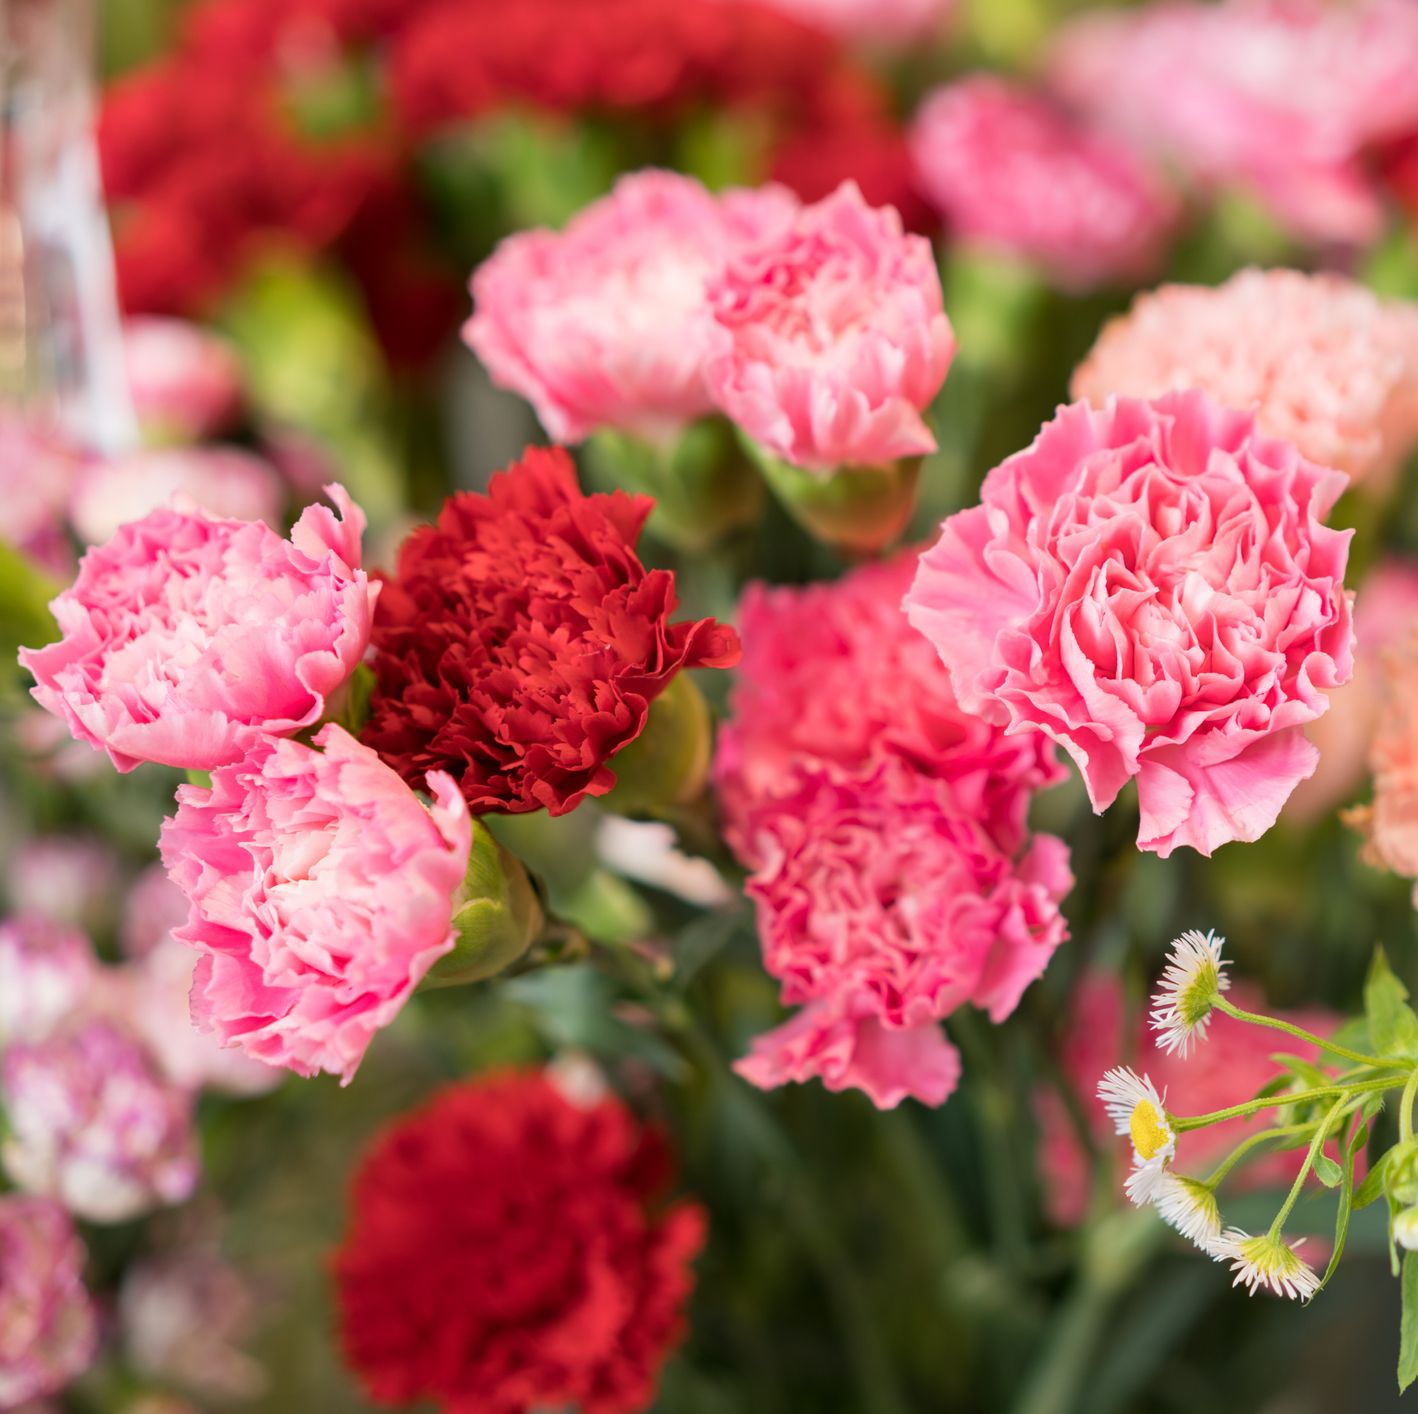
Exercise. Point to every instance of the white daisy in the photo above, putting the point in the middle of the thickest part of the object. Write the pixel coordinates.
(1189, 1205)
(1267, 1262)
(1194, 977)
(1136, 1110)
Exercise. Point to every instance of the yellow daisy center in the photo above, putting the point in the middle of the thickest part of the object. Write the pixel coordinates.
(1150, 1135)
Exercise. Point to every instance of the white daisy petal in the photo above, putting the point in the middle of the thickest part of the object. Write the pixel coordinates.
(1137, 1110)
(1188, 1205)
(1195, 975)
(1267, 1262)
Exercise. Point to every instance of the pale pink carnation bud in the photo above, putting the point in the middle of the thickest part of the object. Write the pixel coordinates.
(321, 891)
(224, 481)
(1011, 172)
(185, 381)
(1150, 584)
(47, 970)
(186, 637)
(605, 324)
(831, 337)
(1324, 362)
(48, 1325)
(94, 1125)
(1283, 98)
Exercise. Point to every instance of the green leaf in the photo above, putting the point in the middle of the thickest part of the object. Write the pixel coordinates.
(1393, 1025)
(1373, 1184)
(1408, 1329)
(26, 622)
(1327, 1171)
(1306, 1072)
(1351, 1150)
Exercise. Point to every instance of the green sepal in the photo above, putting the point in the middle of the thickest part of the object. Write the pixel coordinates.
(667, 765)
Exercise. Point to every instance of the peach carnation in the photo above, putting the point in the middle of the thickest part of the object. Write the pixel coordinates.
(1325, 363)
(1011, 172)
(1150, 585)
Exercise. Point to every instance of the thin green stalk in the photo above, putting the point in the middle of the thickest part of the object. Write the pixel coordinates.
(1182, 1123)
(1311, 1154)
(1405, 1108)
(1252, 1141)
(1290, 1029)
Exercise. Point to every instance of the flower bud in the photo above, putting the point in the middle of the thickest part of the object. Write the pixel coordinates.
(858, 509)
(667, 765)
(1405, 1229)
(1401, 1176)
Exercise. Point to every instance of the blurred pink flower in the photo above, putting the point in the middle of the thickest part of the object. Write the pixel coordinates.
(834, 674)
(883, 22)
(1011, 172)
(48, 1325)
(1385, 621)
(321, 892)
(38, 469)
(94, 1125)
(69, 879)
(831, 337)
(186, 637)
(1283, 97)
(605, 324)
(881, 910)
(186, 381)
(1324, 362)
(1233, 1062)
(223, 481)
(48, 971)
(1151, 586)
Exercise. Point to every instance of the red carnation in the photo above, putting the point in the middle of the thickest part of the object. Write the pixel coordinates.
(509, 1251)
(521, 642)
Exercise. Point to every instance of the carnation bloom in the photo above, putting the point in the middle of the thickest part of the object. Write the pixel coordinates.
(1324, 362)
(872, 21)
(1011, 172)
(831, 337)
(48, 1325)
(185, 381)
(1150, 585)
(1283, 97)
(226, 482)
(93, 1124)
(48, 971)
(37, 469)
(509, 1251)
(321, 890)
(186, 637)
(605, 324)
(68, 879)
(521, 642)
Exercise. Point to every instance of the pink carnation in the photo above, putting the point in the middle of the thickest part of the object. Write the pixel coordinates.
(1284, 97)
(604, 324)
(1233, 1063)
(831, 337)
(93, 1124)
(37, 469)
(1150, 585)
(185, 381)
(186, 637)
(67, 878)
(224, 481)
(833, 673)
(48, 1325)
(48, 970)
(1324, 362)
(321, 891)
(1011, 172)
(881, 910)
(894, 22)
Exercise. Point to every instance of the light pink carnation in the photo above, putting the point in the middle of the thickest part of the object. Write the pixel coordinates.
(1011, 172)
(831, 337)
(1233, 1062)
(1324, 362)
(834, 674)
(186, 637)
(870, 21)
(604, 324)
(93, 1124)
(1150, 585)
(185, 381)
(223, 481)
(48, 1325)
(1283, 97)
(881, 910)
(321, 893)
(47, 970)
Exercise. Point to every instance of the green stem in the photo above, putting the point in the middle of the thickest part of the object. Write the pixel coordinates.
(1311, 1154)
(1275, 1024)
(1405, 1108)
(1262, 1136)
(1182, 1123)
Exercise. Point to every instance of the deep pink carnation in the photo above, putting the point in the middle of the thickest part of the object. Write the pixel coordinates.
(1324, 362)
(605, 324)
(1009, 171)
(832, 337)
(1150, 585)
(185, 381)
(321, 893)
(1283, 97)
(186, 637)
(48, 1325)
(93, 1123)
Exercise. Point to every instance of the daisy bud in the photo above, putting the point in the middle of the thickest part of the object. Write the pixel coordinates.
(1193, 979)
(1405, 1229)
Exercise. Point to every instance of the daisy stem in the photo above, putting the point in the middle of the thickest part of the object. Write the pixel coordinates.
(1311, 1154)
(1182, 1123)
(1275, 1024)
(1252, 1141)
(1405, 1107)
